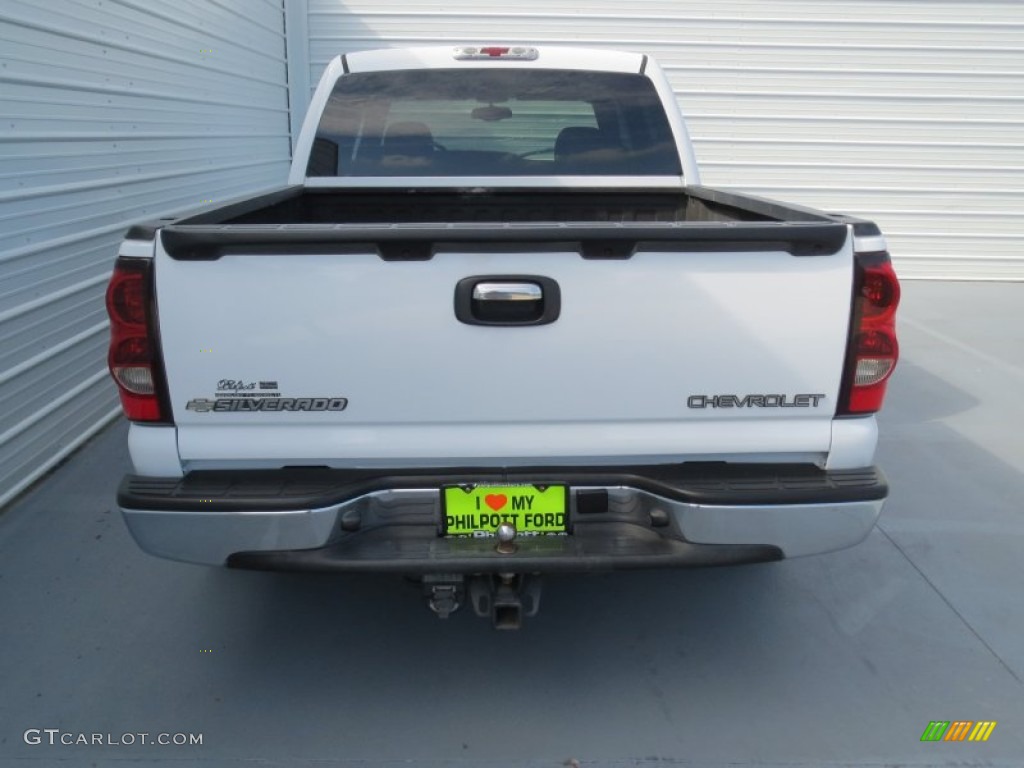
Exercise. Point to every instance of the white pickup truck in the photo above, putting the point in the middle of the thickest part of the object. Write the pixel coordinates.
(494, 327)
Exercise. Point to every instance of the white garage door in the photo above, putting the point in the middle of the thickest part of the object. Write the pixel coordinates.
(909, 113)
(113, 112)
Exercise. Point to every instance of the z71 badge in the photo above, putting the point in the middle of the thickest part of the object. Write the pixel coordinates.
(291, 404)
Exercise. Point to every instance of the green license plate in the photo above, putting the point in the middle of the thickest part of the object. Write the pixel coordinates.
(478, 510)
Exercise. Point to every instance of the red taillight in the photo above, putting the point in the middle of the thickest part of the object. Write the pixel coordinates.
(872, 349)
(132, 359)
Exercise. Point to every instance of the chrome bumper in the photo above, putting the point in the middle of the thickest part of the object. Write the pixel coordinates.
(667, 525)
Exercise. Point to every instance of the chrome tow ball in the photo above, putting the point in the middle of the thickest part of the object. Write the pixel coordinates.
(506, 535)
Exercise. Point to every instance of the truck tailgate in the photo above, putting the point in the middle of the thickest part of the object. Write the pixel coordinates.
(336, 356)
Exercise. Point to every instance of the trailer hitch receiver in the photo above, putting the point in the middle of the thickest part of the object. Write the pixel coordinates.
(507, 598)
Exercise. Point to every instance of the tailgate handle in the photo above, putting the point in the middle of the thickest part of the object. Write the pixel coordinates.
(507, 300)
(507, 292)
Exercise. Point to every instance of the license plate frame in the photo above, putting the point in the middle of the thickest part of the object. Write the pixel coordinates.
(535, 509)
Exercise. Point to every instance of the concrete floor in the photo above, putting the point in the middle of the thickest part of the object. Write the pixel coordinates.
(840, 659)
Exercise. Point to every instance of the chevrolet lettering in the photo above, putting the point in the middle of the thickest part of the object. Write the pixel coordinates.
(754, 401)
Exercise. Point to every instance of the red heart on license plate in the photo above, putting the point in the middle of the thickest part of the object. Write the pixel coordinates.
(496, 500)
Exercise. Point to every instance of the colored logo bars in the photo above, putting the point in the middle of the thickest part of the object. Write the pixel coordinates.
(958, 730)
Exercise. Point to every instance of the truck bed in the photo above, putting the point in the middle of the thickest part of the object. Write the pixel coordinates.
(411, 224)
(299, 205)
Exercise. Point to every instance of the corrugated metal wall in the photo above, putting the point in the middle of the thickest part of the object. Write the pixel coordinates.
(113, 111)
(907, 112)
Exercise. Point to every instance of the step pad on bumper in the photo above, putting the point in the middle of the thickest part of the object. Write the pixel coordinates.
(418, 550)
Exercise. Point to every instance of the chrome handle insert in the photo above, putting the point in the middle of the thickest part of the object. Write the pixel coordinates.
(507, 292)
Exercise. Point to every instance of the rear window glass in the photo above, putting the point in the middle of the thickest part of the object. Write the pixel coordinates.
(510, 122)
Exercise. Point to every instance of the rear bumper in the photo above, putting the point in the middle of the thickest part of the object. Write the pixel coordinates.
(635, 517)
